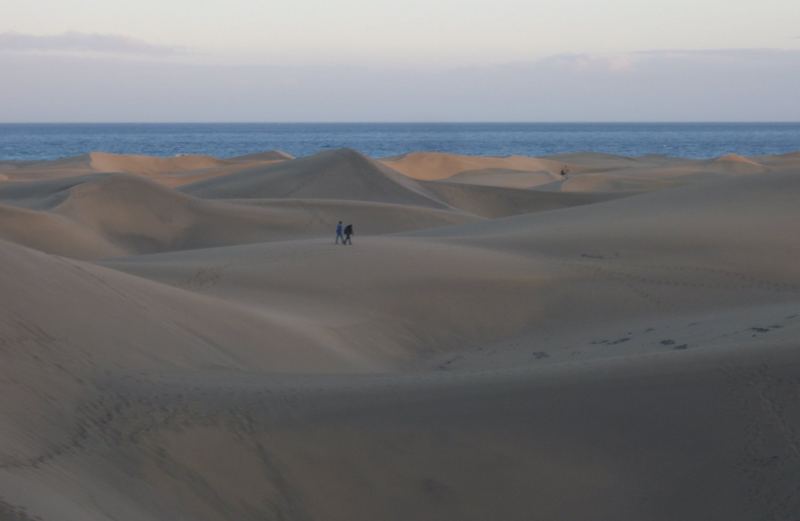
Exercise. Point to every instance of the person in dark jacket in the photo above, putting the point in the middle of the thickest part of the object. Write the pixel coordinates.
(348, 232)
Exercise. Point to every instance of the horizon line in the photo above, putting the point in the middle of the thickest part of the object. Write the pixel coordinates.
(477, 122)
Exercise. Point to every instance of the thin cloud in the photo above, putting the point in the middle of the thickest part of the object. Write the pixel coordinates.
(740, 52)
(627, 62)
(613, 62)
(719, 85)
(75, 42)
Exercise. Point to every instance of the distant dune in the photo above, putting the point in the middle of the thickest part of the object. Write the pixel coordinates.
(107, 215)
(172, 171)
(492, 201)
(338, 174)
(428, 166)
(575, 337)
(734, 163)
(271, 155)
(147, 165)
(502, 177)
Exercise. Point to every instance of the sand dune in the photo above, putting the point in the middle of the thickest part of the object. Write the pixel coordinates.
(65, 323)
(338, 174)
(52, 233)
(568, 443)
(42, 194)
(36, 170)
(504, 178)
(147, 165)
(735, 219)
(586, 172)
(347, 175)
(105, 215)
(736, 164)
(596, 161)
(493, 201)
(589, 356)
(429, 166)
(630, 252)
(172, 171)
(653, 174)
(629, 182)
(270, 155)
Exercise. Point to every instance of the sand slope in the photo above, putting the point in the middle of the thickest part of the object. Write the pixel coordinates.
(491, 200)
(147, 165)
(106, 215)
(54, 234)
(347, 175)
(269, 155)
(171, 171)
(629, 358)
(252, 448)
(731, 218)
(585, 172)
(338, 174)
(652, 174)
(502, 177)
(51, 345)
(570, 275)
(430, 166)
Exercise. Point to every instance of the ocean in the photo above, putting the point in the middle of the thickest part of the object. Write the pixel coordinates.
(690, 140)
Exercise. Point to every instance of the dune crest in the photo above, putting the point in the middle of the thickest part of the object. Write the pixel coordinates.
(171, 171)
(739, 164)
(105, 215)
(337, 174)
(429, 166)
(269, 155)
(149, 165)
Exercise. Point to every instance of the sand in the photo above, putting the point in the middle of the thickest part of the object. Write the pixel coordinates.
(171, 171)
(431, 166)
(618, 343)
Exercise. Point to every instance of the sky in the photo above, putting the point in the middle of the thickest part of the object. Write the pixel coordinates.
(415, 60)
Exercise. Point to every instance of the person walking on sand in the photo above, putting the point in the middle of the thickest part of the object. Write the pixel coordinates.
(339, 234)
(348, 232)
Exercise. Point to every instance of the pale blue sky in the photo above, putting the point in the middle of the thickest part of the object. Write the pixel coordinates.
(428, 47)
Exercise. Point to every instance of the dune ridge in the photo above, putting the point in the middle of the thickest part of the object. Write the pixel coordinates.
(337, 174)
(431, 166)
(147, 165)
(172, 171)
(107, 215)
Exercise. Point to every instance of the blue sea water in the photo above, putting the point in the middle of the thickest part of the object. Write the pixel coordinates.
(691, 140)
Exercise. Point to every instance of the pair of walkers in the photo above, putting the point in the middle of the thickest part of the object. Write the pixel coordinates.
(344, 233)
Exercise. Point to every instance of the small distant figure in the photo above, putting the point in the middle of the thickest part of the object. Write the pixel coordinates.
(348, 233)
(339, 232)
(564, 171)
